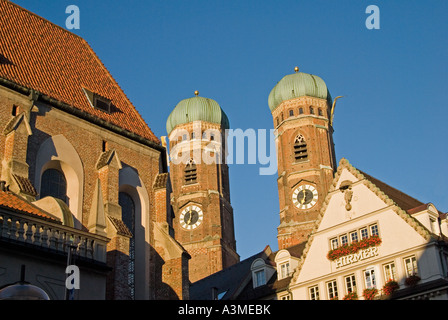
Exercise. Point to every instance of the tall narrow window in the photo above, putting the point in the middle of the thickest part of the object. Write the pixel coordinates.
(300, 110)
(291, 113)
(332, 289)
(300, 148)
(190, 172)
(314, 293)
(370, 278)
(374, 230)
(284, 269)
(390, 272)
(411, 266)
(311, 110)
(53, 184)
(128, 217)
(350, 283)
(260, 278)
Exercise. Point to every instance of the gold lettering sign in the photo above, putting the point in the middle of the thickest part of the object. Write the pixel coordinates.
(355, 257)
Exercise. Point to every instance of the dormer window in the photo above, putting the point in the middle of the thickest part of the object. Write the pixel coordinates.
(98, 102)
(101, 103)
(261, 272)
(260, 278)
(284, 270)
(286, 264)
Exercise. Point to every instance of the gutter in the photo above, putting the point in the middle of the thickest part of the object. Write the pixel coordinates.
(35, 95)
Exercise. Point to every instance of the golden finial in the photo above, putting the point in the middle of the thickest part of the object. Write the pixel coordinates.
(196, 93)
(296, 69)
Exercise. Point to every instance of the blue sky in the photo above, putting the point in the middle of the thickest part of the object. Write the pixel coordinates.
(391, 122)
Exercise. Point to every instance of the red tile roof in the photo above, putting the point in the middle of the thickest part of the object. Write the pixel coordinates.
(9, 200)
(42, 56)
(403, 200)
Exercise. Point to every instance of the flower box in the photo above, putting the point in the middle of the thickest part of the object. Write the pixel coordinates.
(370, 294)
(354, 247)
(390, 286)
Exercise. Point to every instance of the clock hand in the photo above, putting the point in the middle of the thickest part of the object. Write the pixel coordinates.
(304, 197)
(189, 219)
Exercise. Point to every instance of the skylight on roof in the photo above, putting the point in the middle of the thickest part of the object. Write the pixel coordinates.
(98, 102)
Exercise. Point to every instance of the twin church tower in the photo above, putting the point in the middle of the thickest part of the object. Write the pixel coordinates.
(301, 108)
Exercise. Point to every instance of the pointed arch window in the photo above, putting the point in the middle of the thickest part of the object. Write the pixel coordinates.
(190, 172)
(53, 184)
(311, 110)
(128, 217)
(300, 148)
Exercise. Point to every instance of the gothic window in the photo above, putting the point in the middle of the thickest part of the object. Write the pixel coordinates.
(320, 112)
(300, 148)
(53, 184)
(128, 217)
(190, 172)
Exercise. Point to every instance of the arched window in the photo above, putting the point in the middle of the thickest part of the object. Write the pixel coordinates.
(320, 112)
(300, 148)
(190, 172)
(53, 184)
(300, 110)
(311, 110)
(291, 113)
(128, 217)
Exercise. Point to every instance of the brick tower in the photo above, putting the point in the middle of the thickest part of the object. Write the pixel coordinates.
(301, 109)
(203, 215)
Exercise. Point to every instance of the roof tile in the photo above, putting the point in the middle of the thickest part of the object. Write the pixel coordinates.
(42, 56)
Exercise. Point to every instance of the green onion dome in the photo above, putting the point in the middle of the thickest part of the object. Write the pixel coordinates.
(194, 109)
(296, 85)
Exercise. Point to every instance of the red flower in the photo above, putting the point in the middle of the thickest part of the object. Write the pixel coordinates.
(347, 249)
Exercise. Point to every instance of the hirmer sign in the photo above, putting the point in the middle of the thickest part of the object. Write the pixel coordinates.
(355, 257)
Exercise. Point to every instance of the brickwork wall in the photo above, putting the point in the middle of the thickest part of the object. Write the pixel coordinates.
(88, 141)
(317, 170)
(211, 193)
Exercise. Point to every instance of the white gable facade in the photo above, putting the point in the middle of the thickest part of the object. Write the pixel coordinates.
(373, 241)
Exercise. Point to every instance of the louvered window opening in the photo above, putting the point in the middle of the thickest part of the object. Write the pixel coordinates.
(190, 173)
(300, 149)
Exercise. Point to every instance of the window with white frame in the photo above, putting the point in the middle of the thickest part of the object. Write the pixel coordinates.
(334, 243)
(350, 283)
(314, 293)
(410, 264)
(374, 230)
(434, 225)
(332, 289)
(344, 239)
(364, 233)
(260, 278)
(369, 277)
(284, 270)
(390, 272)
(354, 236)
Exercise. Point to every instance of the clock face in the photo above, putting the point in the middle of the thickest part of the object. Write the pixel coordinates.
(191, 217)
(304, 197)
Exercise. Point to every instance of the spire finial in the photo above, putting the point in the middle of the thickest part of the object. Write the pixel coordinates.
(196, 93)
(296, 69)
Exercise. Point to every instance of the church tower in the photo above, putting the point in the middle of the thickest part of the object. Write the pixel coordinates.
(301, 105)
(203, 215)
